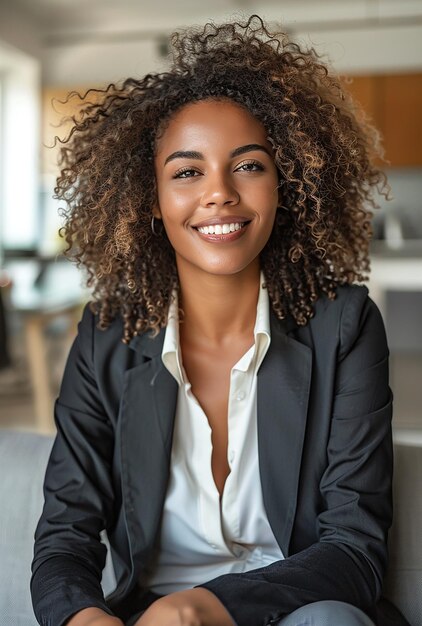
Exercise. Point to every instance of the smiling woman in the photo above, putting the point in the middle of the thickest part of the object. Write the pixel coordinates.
(322, 154)
(225, 413)
(225, 195)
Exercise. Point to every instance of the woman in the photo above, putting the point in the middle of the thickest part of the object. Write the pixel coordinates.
(225, 410)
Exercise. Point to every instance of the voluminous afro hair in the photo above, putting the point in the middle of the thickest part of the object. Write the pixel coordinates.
(324, 153)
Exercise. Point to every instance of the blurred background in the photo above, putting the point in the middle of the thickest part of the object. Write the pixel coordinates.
(50, 47)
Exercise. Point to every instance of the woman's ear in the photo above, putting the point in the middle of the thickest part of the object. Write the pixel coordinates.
(156, 212)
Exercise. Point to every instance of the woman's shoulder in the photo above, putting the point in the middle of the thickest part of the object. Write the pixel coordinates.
(338, 321)
(345, 296)
(350, 315)
(107, 345)
(101, 340)
(349, 301)
(90, 322)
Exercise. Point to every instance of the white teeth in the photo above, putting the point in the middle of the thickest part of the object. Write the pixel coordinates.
(221, 229)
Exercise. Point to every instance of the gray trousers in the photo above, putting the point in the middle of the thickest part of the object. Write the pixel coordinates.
(326, 613)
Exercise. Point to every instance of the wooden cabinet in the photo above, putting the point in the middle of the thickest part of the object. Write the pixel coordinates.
(364, 90)
(394, 103)
(401, 118)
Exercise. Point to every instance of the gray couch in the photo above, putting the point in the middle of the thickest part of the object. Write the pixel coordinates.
(23, 457)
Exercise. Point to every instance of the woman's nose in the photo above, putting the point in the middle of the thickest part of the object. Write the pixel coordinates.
(219, 190)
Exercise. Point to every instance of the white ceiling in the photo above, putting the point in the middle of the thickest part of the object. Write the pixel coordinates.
(148, 18)
(81, 15)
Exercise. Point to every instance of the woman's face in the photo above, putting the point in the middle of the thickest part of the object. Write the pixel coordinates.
(217, 188)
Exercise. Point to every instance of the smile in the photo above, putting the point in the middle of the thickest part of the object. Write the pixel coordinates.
(222, 233)
(221, 229)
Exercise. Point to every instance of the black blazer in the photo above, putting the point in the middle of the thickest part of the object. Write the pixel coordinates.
(325, 458)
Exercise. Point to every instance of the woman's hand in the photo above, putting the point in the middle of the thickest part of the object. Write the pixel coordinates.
(192, 607)
(93, 617)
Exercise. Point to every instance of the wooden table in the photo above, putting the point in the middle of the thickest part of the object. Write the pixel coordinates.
(39, 300)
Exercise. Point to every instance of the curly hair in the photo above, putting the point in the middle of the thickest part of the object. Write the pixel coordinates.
(324, 153)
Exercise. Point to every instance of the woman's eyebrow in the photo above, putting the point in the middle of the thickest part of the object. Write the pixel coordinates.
(192, 154)
(250, 147)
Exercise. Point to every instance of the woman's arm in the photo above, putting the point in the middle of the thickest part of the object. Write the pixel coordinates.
(68, 555)
(348, 561)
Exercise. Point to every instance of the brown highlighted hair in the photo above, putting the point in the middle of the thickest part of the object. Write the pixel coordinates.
(324, 153)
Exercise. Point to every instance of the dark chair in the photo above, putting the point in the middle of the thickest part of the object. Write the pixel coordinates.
(4, 350)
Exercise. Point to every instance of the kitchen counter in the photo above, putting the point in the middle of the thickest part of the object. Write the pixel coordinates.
(394, 272)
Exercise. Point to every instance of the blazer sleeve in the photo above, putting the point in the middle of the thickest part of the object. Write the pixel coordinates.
(347, 562)
(68, 554)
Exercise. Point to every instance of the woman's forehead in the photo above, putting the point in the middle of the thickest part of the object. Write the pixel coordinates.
(211, 121)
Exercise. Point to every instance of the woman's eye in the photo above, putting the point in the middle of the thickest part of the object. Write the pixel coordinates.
(250, 166)
(185, 173)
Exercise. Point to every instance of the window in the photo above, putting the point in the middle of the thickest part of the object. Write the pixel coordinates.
(19, 154)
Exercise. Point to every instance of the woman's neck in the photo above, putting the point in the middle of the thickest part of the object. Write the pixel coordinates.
(219, 308)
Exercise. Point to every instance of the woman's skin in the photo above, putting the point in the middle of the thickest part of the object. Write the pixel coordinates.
(93, 617)
(227, 171)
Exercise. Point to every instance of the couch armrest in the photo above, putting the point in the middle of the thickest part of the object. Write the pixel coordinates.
(23, 460)
(403, 584)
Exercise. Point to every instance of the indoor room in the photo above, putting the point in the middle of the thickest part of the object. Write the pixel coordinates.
(57, 57)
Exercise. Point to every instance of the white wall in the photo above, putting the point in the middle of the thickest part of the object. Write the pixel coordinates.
(91, 63)
(370, 50)
(17, 30)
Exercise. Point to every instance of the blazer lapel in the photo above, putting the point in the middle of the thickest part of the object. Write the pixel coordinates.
(283, 391)
(146, 427)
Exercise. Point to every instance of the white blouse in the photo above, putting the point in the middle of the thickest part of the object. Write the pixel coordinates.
(201, 538)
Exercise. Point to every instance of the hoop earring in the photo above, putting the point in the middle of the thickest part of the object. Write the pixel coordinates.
(154, 232)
